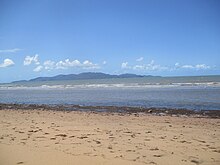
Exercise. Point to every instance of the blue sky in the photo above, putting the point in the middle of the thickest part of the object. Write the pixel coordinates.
(157, 37)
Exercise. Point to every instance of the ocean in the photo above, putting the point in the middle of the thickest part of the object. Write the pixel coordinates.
(196, 93)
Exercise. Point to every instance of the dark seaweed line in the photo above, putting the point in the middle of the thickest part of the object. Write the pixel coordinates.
(115, 109)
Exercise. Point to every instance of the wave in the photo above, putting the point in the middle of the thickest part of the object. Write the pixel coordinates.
(119, 85)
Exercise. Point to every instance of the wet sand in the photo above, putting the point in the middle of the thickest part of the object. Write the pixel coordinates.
(37, 135)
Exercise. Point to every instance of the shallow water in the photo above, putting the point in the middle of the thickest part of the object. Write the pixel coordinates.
(193, 97)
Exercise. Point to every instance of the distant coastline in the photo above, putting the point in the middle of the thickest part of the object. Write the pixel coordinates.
(84, 76)
(100, 75)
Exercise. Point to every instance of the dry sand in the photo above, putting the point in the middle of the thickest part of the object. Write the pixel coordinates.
(45, 137)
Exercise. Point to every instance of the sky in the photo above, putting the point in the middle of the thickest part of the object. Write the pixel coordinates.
(147, 37)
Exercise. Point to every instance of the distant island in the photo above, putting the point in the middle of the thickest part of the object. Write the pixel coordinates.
(84, 76)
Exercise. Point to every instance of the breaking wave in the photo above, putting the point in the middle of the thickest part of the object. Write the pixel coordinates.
(119, 85)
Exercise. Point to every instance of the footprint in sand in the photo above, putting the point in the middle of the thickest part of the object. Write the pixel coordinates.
(158, 155)
(195, 160)
(33, 131)
(154, 149)
(20, 163)
(13, 138)
(82, 137)
(40, 137)
(110, 147)
(61, 135)
(24, 139)
(184, 141)
(136, 158)
(133, 135)
(97, 142)
(218, 151)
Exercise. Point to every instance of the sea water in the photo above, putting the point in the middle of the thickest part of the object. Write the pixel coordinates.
(197, 93)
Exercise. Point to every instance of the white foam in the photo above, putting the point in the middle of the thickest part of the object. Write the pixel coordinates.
(119, 85)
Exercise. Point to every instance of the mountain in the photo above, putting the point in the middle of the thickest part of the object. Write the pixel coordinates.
(82, 76)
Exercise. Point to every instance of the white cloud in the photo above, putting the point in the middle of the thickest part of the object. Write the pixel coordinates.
(10, 50)
(187, 67)
(38, 68)
(196, 67)
(152, 66)
(104, 62)
(140, 59)
(87, 62)
(139, 67)
(7, 62)
(67, 63)
(202, 66)
(177, 65)
(31, 59)
(124, 65)
(148, 67)
(89, 65)
(49, 65)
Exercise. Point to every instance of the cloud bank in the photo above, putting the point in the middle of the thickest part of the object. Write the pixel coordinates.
(63, 64)
(138, 65)
(152, 66)
(197, 66)
(148, 67)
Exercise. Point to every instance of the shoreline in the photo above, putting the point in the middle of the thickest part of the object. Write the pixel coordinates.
(117, 109)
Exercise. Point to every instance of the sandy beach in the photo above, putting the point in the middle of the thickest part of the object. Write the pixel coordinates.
(47, 137)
